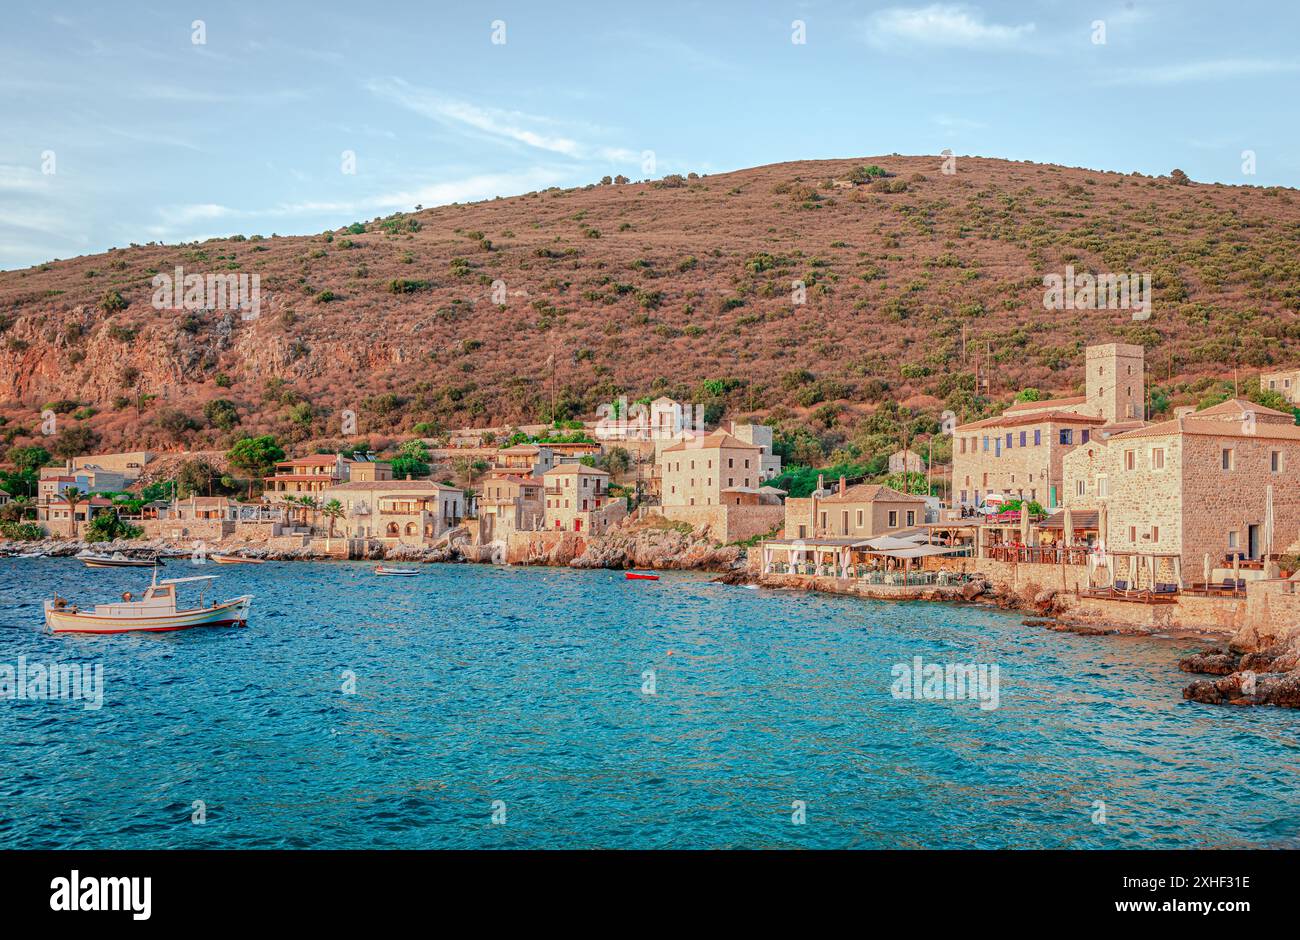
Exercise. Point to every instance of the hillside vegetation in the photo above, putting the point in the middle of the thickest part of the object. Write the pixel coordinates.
(487, 314)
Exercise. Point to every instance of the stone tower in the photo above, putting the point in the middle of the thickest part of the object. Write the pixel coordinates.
(1116, 382)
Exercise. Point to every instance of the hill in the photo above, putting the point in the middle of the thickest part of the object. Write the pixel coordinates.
(486, 314)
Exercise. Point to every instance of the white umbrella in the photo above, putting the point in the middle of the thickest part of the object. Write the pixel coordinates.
(1068, 525)
(1024, 524)
(1268, 520)
(1103, 518)
(1236, 569)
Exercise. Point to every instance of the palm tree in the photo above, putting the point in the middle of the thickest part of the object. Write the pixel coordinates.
(333, 511)
(73, 497)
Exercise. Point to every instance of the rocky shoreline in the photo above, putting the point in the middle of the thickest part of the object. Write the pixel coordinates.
(1259, 677)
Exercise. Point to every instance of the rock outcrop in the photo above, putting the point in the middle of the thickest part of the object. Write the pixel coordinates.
(1261, 677)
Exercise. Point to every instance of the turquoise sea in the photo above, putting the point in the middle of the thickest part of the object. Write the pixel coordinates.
(522, 690)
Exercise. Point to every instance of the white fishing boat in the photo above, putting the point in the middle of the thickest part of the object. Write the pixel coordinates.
(116, 560)
(155, 612)
(396, 572)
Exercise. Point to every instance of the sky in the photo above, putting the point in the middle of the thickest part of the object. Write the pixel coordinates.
(134, 122)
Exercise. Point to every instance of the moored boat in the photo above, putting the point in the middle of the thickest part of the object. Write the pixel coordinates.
(235, 560)
(116, 560)
(638, 576)
(155, 612)
(396, 572)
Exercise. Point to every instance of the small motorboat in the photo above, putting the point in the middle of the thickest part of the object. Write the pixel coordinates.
(638, 576)
(235, 560)
(30, 555)
(396, 572)
(117, 560)
(156, 612)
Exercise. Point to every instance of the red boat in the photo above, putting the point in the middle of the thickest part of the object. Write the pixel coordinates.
(634, 576)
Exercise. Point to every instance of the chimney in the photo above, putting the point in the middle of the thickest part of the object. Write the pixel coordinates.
(843, 485)
(821, 482)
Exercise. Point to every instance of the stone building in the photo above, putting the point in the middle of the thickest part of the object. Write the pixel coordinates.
(1196, 485)
(577, 499)
(760, 435)
(408, 512)
(906, 461)
(1019, 454)
(510, 502)
(865, 510)
(1285, 382)
(308, 475)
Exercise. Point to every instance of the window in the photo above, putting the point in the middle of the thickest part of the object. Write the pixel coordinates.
(1232, 539)
(893, 518)
(1038, 436)
(823, 520)
(1023, 436)
(1084, 435)
(1155, 533)
(1067, 435)
(1275, 461)
(1008, 439)
(1079, 487)
(746, 463)
(1103, 487)
(731, 481)
(844, 522)
(1132, 533)
(986, 443)
(1157, 458)
(1130, 460)
(963, 498)
(911, 517)
(731, 462)
(1226, 458)
(963, 445)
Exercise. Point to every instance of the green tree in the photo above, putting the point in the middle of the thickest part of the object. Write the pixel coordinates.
(333, 511)
(221, 413)
(256, 456)
(75, 441)
(73, 496)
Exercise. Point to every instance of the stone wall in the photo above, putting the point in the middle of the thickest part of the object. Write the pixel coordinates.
(728, 523)
(203, 530)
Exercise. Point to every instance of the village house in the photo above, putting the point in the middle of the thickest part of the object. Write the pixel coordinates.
(129, 465)
(510, 502)
(714, 483)
(368, 471)
(56, 516)
(53, 480)
(577, 499)
(1019, 454)
(308, 475)
(1285, 382)
(660, 420)
(906, 461)
(866, 510)
(1212, 483)
(760, 435)
(407, 512)
(530, 460)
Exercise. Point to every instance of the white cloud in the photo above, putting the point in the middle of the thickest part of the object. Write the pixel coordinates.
(510, 126)
(941, 24)
(1210, 70)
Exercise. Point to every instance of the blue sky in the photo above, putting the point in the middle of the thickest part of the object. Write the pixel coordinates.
(155, 137)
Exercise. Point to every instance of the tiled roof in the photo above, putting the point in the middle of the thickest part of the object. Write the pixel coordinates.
(1041, 417)
(712, 441)
(315, 460)
(1046, 403)
(870, 492)
(393, 487)
(567, 468)
(1235, 407)
(1214, 427)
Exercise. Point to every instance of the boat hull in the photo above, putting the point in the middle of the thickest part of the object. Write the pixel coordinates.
(235, 560)
(633, 576)
(222, 615)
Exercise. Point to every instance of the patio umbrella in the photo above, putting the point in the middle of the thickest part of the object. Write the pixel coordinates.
(1024, 524)
(1132, 571)
(1236, 569)
(1151, 568)
(1103, 519)
(1068, 524)
(1207, 568)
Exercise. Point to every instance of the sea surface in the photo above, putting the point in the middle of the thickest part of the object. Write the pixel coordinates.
(355, 712)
